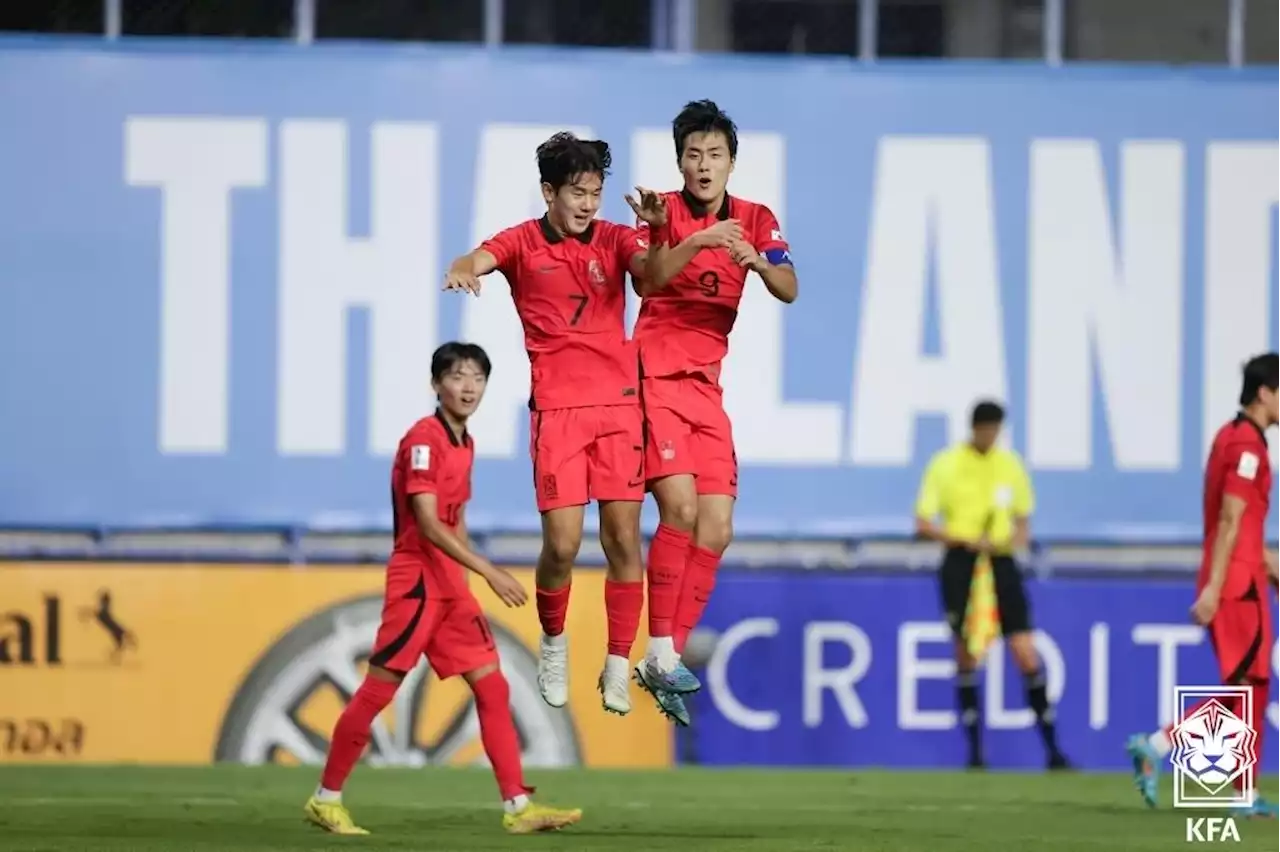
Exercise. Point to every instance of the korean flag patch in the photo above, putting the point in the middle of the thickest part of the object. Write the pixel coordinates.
(1248, 467)
(420, 457)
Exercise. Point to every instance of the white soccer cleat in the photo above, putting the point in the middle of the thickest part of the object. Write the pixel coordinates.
(615, 685)
(553, 670)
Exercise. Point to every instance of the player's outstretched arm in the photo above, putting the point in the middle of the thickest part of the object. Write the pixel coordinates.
(464, 273)
(455, 545)
(1273, 567)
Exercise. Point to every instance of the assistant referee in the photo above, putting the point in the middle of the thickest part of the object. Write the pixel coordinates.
(984, 498)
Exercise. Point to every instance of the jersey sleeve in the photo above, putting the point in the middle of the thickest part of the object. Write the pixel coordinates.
(1024, 495)
(421, 462)
(629, 242)
(929, 500)
(1242, 465)
(505, 248)
(768, 239)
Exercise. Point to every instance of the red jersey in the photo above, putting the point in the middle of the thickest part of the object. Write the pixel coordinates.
(431, 459)
(571, 295)
(1238, 465)
(684, 327)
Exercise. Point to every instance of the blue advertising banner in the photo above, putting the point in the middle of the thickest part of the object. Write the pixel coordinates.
(221, 273)
(843, 670)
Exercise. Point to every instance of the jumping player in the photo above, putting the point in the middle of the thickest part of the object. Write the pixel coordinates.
(429, 608)
(567, 273)
(702, 244)
(1232, 600)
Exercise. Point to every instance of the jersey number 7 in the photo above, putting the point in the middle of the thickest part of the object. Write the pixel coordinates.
(582, 300)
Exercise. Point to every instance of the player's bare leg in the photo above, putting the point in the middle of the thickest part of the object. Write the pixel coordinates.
(502, 747)
(969, 701)
(623, 598)
(346, 745)
(1027, 658)
(561, 538)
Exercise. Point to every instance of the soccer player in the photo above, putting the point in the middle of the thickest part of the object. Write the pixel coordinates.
(567, 273)
(429, 608)
(985, 500)
(1232, 600)
(702, 244)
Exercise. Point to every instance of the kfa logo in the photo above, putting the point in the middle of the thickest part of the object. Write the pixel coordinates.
(1212, 829)
(1214, 756)
(38, 636)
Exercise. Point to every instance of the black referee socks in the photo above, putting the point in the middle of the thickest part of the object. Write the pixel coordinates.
(970, 714)
(1038, 699)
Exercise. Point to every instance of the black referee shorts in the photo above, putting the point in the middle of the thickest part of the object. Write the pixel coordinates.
(955, 577)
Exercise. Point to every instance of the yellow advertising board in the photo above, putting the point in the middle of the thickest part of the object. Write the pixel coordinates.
(187, 664)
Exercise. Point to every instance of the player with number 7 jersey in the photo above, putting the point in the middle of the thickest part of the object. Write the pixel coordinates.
(567, 273)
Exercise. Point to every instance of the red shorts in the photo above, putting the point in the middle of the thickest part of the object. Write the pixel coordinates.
(452, 632)
(1241, 635)
(689, 433)
(585, 454)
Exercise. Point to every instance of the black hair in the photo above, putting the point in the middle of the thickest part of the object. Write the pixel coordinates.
(704, 117)
(564, 157)
(987, 412)
(453, 353)
(1259, 372)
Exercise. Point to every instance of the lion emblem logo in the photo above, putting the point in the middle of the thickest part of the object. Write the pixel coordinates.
(1213, 746)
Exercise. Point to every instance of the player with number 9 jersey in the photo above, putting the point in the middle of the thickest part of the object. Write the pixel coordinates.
(703, 243)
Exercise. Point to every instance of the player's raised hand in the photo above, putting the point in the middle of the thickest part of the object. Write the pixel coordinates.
(462, 281)
(1205, 607)
(506, 587)
(720, 235)
(651, 208)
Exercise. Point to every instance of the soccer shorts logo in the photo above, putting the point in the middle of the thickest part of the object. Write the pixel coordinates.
(1214, 748)
(549, 489)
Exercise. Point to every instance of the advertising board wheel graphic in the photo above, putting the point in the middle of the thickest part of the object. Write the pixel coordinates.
(284, 710)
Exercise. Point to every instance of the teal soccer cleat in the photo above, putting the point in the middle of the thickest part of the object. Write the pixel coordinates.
(1146, 768)
(670, 703)
(1260, 809)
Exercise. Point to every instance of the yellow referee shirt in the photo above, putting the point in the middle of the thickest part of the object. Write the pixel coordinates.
(976, 494)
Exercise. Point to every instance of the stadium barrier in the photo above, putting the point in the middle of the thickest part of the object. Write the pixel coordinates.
(186, 664)
(839, 669)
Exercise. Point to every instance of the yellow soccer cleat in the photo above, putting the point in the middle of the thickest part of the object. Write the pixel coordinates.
(331, 816)
(535, 818)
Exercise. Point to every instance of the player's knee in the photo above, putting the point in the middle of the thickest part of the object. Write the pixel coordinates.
(714, 531)
(490, 687)
(560, 549)
(621, 543)
(680, 513)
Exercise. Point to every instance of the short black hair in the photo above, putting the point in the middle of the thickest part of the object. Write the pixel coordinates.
(987, 412)
(704, 117)
(1259, 372)
(453, 353)
(564, 157)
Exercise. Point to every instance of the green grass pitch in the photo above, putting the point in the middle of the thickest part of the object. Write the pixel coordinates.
(55, 809)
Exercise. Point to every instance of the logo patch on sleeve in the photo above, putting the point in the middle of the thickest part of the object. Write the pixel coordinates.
(1248, 467)
(420, 457)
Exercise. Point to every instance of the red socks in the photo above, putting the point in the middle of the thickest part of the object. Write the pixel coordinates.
(667, 554)
(498, 733)
(695, 591)
(351, 734)
(553, 604)
(622, 604)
